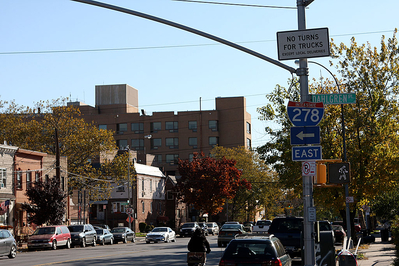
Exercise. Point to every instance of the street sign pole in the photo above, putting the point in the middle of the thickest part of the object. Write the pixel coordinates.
(307, 181)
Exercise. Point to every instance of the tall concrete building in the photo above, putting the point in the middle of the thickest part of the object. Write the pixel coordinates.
(163, 137)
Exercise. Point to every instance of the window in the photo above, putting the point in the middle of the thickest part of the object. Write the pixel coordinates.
(121, 143)
(137, 144)
(62, 182)
(142, 184)
(172, 126)
(158, 158)
(19, 179)
(150, 185)
(192, 142)
(37, 177)
(248, 128)
(156, 143)
(192, 125)
(151, 206)
(171, 158)
(28, 179)
(169, 195)
(172, 143)
(213, 141)
(102, 127)
(3, 178)
(118, 207)
(155, 127)
(46, 178)
(120, 189)
(138, 128)
(120, 128)
(142, 206)
(248, 143)
(190, 157)
(213, 125)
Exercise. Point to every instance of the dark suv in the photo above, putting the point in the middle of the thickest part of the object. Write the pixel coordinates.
(249, 249)
(289, 231)
(188, 229)
(83, 234)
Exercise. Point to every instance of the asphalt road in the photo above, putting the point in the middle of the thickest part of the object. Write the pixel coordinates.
(138, 253)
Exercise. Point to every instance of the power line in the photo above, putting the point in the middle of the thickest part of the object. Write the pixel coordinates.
(162, 47)
(234, 4)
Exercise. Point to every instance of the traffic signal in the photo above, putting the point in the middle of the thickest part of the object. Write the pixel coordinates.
(321, 173)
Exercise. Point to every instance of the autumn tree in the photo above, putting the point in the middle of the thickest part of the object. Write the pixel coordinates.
(34, 129)
(371, 125)
(47, 202)
(265, 193)
(207, 182)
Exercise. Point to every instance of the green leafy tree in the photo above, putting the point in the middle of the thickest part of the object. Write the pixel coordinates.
(371, 125)
(207, 182)
(265, 191)
(385, 205)
(47, 203)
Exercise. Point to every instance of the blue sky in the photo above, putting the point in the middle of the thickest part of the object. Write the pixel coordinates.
(60, 48)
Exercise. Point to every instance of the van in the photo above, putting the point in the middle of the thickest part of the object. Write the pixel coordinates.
(52, 236)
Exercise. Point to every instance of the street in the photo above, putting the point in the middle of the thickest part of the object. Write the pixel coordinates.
(138, 253)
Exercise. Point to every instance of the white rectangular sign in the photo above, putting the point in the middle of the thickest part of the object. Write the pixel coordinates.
(309, 168)
(303, 44)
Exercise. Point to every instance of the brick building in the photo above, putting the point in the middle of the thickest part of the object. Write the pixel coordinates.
(167, 136)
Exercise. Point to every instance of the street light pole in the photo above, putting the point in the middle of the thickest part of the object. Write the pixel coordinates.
(344, 158)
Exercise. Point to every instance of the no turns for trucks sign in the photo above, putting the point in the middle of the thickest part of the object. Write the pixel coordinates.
(303, 44)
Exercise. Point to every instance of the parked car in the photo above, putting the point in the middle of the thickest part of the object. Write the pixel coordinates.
(232, 222)
(213, 228)
(248, 226)
(229, 232)
(188, 229)
(288, 230)
(261, 226)
(123, 234)
(255, 250)
(83, 234)
(8, 245)
(164, 234)
(104, 226)
(104, 236)
(50, 237)
(339, 233)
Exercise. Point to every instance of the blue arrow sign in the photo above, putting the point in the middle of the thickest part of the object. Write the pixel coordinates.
(306, 153)
(305, 135)
(305, 113)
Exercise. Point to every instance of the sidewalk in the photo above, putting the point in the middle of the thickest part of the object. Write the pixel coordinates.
(378, 254)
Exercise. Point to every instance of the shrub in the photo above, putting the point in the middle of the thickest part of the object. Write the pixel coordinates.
(395, 237)
(142, 227)
(149, 228)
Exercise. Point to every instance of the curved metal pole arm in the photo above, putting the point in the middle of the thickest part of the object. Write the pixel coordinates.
(198, 32)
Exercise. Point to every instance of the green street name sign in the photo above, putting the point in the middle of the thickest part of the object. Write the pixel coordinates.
(125, 203)
(334, 98)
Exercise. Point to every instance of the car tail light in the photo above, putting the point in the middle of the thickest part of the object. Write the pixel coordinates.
(274, 262)
(224, 262)
(222, 233)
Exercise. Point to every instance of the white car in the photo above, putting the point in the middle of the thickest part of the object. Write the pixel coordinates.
(161, 234)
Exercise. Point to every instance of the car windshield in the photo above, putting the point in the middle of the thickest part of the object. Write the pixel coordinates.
(99, 231)
(263, 223)
(189, 225)
(209, 225)
(76, 228)
(160, 230)
(287, 225)
(45, 231)
(249, 249)
(231, 226)
(118, 230)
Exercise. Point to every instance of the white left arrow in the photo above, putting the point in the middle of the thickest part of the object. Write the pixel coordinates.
(302, 135)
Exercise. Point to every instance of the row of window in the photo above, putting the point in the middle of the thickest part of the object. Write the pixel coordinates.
(156, 143)
(120, 207)
(30, 181)
(172, 126)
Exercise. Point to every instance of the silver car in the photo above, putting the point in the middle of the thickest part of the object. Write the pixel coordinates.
(8, 245)
(161, 234)
(213, 228)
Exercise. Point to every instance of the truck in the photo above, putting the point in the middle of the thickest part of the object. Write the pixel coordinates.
(261, 226)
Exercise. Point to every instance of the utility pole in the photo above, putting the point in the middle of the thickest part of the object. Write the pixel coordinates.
(307, 181)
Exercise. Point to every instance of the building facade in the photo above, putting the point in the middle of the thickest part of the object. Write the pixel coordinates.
(167, 136)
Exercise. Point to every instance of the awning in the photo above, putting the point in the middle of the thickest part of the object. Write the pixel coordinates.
(100, 202)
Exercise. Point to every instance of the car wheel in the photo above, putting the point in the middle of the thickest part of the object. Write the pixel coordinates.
(148, 242)
(13, 252)
(68, 244)
(83, 243)
(54, 245)
(103, 242)
(125, 240)
(134, 239)
(111, 242)
(167, 240)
